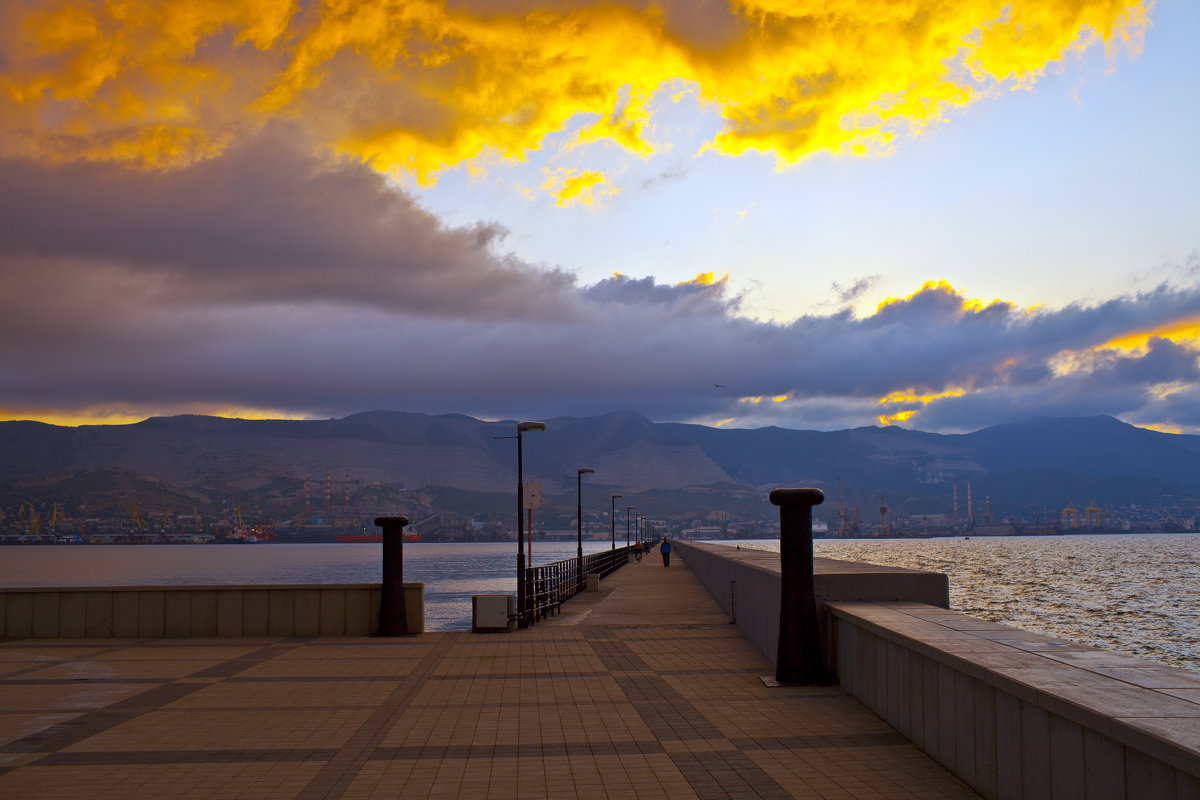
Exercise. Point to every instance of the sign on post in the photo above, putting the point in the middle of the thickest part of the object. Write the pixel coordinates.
(533, 494)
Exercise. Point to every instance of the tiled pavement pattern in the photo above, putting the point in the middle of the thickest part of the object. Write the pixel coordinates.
(640, 690)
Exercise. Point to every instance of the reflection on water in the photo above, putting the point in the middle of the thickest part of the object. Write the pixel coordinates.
(1139, 594)
(451, 572)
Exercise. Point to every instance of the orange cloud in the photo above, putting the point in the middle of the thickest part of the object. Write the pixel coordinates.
(417, 85)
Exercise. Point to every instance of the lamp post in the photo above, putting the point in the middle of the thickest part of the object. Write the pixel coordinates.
(612, 521)
(627, 510)
(579, 473)
(637, 527)
(522, 595)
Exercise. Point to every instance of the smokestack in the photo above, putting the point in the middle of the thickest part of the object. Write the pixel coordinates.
(970, 508)
(307, 496)
(327, 491)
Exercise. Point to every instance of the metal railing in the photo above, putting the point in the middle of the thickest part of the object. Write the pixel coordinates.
(547, 586)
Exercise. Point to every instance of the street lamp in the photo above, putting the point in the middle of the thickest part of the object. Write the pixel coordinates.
(637, 528)
(627, 510)
(579, 473)
(612, 521)
(522, 595)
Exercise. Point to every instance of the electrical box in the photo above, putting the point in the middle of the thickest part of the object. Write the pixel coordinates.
(493, 612)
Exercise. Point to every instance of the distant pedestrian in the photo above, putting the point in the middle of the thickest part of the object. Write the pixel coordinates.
(665, 549)
(638, 550)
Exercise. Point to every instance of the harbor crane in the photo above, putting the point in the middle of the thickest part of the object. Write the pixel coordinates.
(841, 511)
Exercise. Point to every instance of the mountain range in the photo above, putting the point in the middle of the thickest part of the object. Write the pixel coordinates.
(1041, 463)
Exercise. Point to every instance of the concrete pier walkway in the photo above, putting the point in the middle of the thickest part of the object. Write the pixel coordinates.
(641, 690)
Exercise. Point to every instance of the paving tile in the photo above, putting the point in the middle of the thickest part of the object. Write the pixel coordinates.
(641, 690)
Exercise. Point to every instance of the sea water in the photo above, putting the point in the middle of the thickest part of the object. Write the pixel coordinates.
(451, 572)
(1136, 593)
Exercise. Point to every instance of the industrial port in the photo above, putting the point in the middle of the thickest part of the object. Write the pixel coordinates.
(337, 515)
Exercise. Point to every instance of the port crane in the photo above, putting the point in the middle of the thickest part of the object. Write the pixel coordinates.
(841, 511)
(35, 522)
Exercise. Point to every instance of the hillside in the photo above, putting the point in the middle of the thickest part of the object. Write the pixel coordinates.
(1042, 462)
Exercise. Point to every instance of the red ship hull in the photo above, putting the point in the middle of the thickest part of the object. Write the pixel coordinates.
(374, 538)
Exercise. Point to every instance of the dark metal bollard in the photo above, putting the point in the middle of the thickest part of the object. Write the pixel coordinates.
(799, 658)
(393, 613)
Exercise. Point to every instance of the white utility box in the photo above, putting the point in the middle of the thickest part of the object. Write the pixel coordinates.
(493, 612)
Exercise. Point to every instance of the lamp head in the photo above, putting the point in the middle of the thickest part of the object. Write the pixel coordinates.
(530, 426)
(585, 470)
(615, 496)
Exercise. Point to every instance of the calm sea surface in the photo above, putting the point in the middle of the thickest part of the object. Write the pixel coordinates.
(1139, 594)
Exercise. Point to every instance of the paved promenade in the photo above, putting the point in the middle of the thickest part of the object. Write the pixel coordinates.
(640, 690)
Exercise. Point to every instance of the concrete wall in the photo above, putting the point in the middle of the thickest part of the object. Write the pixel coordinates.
(1018, 715)
(1015, 715)
(746, 584)
(177, 611)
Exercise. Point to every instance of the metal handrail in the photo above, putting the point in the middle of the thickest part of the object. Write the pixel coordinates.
(547, 586)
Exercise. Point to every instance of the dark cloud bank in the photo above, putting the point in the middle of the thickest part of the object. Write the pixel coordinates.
(269, 278)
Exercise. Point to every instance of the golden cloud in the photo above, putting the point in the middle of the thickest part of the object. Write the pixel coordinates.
(1185, 332)
(131, 413)
(914, 400)
(944, 287)
(570, 186)
(418, 86)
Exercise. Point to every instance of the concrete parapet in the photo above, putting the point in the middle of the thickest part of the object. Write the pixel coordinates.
(200, 611)
(1015, 714)
(1012, 713)
(745, 583)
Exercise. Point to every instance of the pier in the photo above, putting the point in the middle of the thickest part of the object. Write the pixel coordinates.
(643, 689)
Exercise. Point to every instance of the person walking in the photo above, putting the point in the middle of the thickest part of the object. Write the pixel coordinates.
(638, 550)
(665, 549)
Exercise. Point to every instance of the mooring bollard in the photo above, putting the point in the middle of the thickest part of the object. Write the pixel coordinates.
(799, 657)
(393, 613)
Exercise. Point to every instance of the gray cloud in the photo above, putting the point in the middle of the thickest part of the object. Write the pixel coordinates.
(265, 223)
(268, 279)
(848, 294)
(676, 173)
(681, 298)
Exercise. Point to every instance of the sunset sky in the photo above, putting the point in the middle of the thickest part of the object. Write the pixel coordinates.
(814, 214)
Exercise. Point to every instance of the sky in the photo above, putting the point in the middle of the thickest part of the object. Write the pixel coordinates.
(818, 214)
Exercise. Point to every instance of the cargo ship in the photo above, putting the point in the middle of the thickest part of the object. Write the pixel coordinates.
(373, 537)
